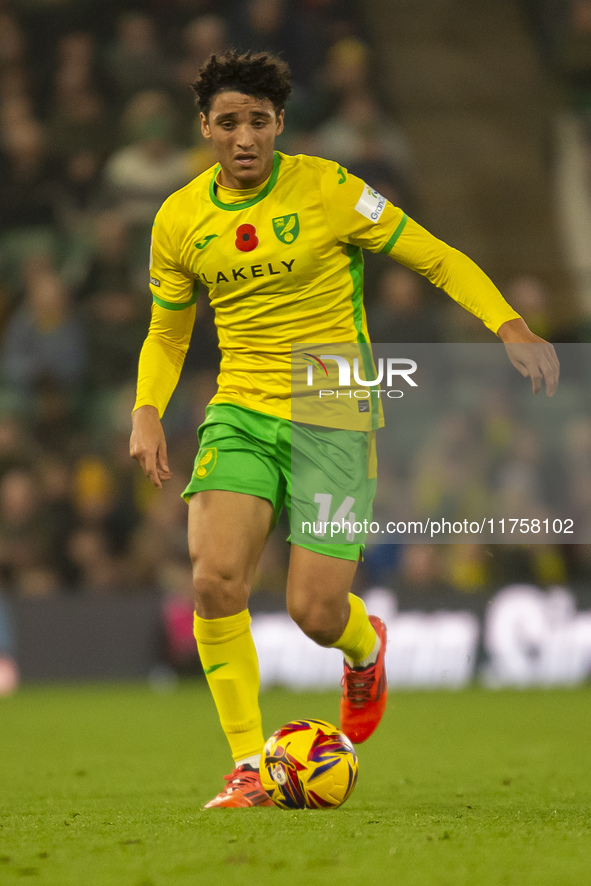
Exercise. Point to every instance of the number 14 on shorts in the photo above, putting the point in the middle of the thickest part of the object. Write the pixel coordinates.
(342, 519)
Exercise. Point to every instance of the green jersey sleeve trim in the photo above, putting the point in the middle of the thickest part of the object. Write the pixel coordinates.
(398, 231)
(234, 207)
(355, 255)
(176, 306)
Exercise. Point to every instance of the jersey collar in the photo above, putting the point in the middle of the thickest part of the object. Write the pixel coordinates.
(246, 204)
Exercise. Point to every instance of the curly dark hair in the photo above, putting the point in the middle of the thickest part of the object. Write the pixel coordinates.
(258, 74)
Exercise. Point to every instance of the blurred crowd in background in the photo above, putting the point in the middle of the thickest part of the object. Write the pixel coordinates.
(563, 31)
(98, 127)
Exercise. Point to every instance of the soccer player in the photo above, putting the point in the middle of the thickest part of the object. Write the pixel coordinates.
(277, 240)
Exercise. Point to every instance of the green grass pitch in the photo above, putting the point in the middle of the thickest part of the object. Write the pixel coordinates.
(103, 786)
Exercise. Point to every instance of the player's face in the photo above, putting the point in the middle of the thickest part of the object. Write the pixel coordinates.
(243, 130)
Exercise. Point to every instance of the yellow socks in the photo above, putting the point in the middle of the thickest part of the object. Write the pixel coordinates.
(358, 640)
(230, 663)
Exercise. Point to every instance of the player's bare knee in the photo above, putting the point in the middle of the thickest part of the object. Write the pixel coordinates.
(318, 621)
(218, 593)
(296, 611)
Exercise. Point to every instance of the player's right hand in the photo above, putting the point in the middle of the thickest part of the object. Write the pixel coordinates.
(148, 444)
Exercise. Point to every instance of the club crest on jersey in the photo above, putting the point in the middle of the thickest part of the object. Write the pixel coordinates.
(287, 227)
(246, 238)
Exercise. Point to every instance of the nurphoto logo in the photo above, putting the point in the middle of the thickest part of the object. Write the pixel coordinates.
(388, 371)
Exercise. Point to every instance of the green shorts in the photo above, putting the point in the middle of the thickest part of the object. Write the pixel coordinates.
(326, 478)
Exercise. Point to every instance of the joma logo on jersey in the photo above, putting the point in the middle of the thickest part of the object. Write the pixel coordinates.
(287, 227)
(248, 272)
(205, 242)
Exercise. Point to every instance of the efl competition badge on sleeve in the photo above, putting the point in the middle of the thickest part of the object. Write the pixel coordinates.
(371, 204)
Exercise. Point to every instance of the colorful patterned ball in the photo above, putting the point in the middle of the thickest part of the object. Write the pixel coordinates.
(308, 763)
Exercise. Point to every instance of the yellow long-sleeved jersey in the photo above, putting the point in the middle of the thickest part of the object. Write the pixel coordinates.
(283, 264)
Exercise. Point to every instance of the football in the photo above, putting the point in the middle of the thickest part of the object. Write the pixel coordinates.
(308, 763)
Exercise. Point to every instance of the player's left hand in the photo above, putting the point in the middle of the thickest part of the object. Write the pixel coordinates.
(531, 355)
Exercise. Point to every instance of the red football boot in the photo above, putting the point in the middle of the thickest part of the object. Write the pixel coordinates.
(365, 691)
(243, 789)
